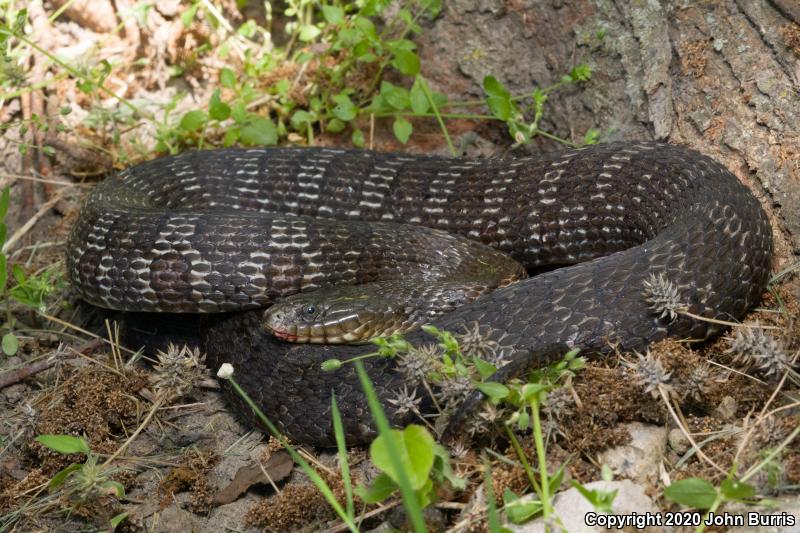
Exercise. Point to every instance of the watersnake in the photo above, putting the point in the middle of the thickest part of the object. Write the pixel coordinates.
(641, 230)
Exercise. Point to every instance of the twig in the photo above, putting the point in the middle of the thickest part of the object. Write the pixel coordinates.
(383, 508)
(31, 221)
(23, 373)
(81, 330)
(725, 322)
(686, 433)
(148, 418)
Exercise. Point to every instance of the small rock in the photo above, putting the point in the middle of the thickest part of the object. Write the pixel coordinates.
(574, 510)
(727, 408)
(168, 8)
(15, 393)
(173, 518)
(678, 441)
(640, 459)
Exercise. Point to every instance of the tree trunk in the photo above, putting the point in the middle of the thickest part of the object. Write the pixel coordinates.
(719, 76)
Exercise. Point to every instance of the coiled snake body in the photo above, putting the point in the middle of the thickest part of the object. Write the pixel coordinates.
(649, 230)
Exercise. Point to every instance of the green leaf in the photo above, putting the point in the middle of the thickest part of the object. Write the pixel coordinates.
(333, 14)
(518, 510)
(10, 343)
(736, 490)
(117, 520)
(301, 119)
(309, 32)
(239, 113)
(498, 98)
(533, 391)
(556, 479)
(248, 29)
(114, 487)
(347, 38)
(581, 72)
(523, 419)
(367, 28)
(282, 87)
(259, 131)
(19, 274)
(382, 487)
(441, 465)
(592, 136)
(64, 443)
(406, 62)
(335, 126)
(401, 44)
(484, 368)
(217, 109)
(193, 120)
(418, 98)
(402, 129)
(227, 78)
(61, 476)
(188, 16)
(357, 138)
(231, 136)
(495, 391)
(692, 492)
(345, 109)
(5, 199)
(395, 96)
(434, 7)
(415, 447)
(3, 231)
(601, 500)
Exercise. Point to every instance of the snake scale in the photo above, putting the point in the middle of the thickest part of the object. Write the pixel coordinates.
(641, 230)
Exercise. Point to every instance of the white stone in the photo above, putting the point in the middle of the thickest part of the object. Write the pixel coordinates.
(640, 460)
(573, 509)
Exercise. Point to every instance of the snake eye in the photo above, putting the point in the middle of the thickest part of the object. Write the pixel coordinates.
(309, 310)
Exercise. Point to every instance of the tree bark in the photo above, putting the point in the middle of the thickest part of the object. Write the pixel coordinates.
(722, 77)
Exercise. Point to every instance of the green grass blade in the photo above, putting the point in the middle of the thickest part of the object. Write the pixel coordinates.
(310, 472)
(493, 518)
(410, 501)
(338, 430)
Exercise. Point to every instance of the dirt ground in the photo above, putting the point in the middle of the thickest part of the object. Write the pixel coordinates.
(190, 465)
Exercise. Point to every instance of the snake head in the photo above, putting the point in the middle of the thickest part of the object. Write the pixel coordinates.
(341, 315)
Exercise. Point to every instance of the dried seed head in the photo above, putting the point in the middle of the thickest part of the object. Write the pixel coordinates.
(405, 401)
(420, 361)
(662, 296)
(486, 419)
(453, 391)
(559, 403)
(458, 449)
(755, 348)
(477, 343)
(699, 382)
(178, 370)
(650, 373)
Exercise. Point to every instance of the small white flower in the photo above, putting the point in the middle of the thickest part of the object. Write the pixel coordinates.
(225, 371)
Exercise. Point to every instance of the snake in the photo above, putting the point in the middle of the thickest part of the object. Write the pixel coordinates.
(632, 242)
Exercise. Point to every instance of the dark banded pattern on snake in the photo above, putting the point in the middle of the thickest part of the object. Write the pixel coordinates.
(648, 223)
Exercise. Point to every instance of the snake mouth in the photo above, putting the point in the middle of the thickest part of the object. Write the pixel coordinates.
(283, 335)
